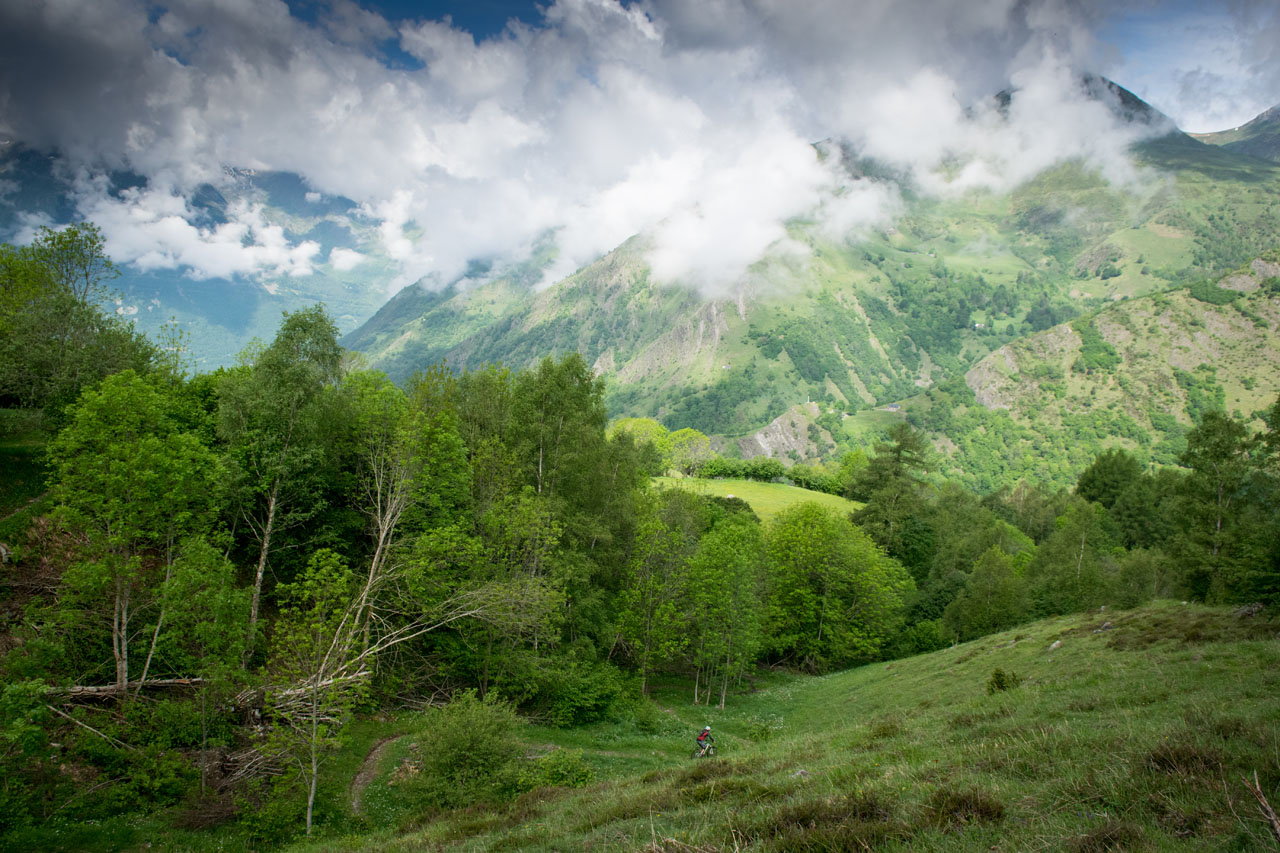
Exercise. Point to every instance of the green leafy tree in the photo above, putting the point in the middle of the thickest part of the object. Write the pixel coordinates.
(560, 418)
(1074, 569)
(726, 578)
(647, 431)
(655, 598)
(206, 629)
(54, 338)
(835, 596)
(410, 465)
(1147, 511)
(689, 450)
(310, 661)
(1106, 479)
(135, 484)
(995, 598)
(273, 417)
(1220, 511)
(76, 258)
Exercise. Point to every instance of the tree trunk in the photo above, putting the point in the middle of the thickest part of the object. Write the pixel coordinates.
(262, 569)
(315, 763)
(155, 636)
(120, 634)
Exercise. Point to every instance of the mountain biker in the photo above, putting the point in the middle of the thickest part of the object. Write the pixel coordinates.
(705, 739)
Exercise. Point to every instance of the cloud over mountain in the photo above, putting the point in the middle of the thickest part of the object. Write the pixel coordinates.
(692, 123)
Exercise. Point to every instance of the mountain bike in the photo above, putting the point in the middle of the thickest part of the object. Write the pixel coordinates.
(704, 751)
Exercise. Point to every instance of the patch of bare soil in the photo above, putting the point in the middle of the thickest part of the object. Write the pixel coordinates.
(367, 770)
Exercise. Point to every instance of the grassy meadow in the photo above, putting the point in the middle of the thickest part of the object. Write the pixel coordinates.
(1114, 731)
(766, 499)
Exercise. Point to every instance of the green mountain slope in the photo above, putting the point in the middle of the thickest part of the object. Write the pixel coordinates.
(1133, 375)
(856, 326)
(1116, 731)
(1258, 138)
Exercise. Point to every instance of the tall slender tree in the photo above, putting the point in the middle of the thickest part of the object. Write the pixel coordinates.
(272, 418)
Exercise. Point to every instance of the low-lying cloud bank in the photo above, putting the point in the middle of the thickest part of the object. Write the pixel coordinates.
(691, 123)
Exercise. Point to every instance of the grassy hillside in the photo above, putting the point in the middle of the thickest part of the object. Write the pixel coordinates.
(1117, 730)
(766, 499)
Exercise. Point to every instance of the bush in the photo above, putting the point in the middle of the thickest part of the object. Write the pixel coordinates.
(718, 467)
(764, 469)
(925, 636)
(583, 693)
(560, 768)
(1207, 291)
(1001, 681)
(762, 727)
(468, 749)
(272, 811)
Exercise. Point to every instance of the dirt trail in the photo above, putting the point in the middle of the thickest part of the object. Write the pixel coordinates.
(23, 507)
(367, 769)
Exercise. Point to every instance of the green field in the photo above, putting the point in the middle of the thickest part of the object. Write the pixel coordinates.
(1132, 735)
(766, 499)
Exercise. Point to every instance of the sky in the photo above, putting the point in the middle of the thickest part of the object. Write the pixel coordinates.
(482, 129)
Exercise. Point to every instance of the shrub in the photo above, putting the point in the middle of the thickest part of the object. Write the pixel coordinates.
(1208, 291)
(761, 727)
(1001, 681)
(928, 635)
(764, 469)
(718, 467)
(560, 768)
(583, 693)
(468, 749)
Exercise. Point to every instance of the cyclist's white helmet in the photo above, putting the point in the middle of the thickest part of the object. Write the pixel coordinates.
(707, 729)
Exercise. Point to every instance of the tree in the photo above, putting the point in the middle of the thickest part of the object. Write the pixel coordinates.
(726, 579)
(890, 484)
(76, 258)
(1107, 478)
(54, 338)
(835, 596)
(647, 431)
(559, 417)
(994, 599)
(905, 455)
(1074, 569)
(136, 485)
(689, 450)
(311, 651)
(206, 629)
(272, 417)
(1220, 509)
(1146, 511)
(653, 603)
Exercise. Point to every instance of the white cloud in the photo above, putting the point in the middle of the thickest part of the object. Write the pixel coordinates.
(345, 260)
(689, 123)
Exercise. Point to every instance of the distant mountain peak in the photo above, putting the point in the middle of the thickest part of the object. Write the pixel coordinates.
(1258, 137)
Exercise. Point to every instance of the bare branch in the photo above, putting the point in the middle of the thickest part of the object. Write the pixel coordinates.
(1267, 812)
(118, 744)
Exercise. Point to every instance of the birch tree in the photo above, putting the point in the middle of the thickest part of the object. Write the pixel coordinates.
(135, 484)
(272, 417)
